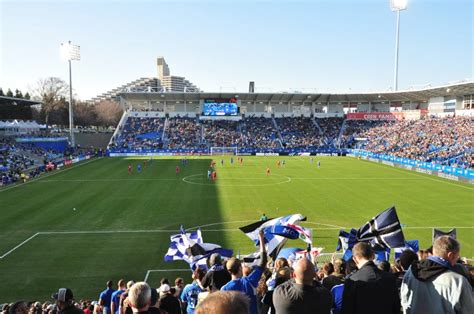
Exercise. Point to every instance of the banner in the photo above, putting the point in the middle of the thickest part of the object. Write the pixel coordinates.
(379, 116)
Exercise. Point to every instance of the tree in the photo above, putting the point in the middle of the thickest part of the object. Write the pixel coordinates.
(18, 93)
(52, 91)
(27, 96)
(108, 113)
(1, 92)
(9, 93)
(84, 114)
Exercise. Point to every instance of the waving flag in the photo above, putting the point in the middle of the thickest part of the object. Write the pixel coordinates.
(191, 248)
(437, 233)
(273, 242)
(409, 245)
(346, 241)
(384, 230)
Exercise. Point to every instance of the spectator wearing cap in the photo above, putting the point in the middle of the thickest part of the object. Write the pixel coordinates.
(369, 290)
(115, 301)
(303, 294)
(64, 302)
(139, 297)
(433, 285)
(105, 298)
(168, 302)
(190, 293)
(248, 284)
(217, 276)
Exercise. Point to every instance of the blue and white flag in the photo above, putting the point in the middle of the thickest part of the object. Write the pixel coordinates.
(273, 242)
(190, 248)
(382, 255)
(409, 245)
(346, 241)
(384, 230)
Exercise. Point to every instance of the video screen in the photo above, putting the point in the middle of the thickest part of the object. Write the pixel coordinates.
(220, 107)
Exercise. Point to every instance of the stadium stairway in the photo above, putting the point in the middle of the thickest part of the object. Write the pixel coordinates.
(317, 125)
(341, 131)
(277, 128)
(120, 125)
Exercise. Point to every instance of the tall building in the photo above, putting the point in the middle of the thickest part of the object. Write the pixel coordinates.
(163, 83)
(171, 83)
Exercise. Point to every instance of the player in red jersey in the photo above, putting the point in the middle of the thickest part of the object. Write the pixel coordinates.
(130, 169)
(214, 175)
(177, 169)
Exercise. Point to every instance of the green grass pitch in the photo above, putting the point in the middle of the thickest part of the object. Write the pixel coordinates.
(122, 223)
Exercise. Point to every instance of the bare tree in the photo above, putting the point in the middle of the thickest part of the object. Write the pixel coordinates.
(108, 113)
(84, 114)
(51, 91)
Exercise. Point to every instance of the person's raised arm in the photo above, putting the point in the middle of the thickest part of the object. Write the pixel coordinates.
(263, 251)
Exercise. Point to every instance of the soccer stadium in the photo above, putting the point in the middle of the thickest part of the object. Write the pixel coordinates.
(158, 196)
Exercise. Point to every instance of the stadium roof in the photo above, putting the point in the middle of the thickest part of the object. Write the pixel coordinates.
(18, 101)
(450, 90)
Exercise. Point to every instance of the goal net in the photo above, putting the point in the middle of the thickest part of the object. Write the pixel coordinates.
(224, 151)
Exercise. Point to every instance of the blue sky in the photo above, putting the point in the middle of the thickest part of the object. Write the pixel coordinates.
(329, 46)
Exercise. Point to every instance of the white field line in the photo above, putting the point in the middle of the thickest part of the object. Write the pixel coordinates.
(162, 270)
(48, 175)
(16, 247)
(429, 177)
(168, 231)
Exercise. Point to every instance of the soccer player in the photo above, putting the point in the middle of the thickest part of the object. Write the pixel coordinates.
(283, 162)
(319, 164)
(214, 175)
(278, 163)
(222, 162)
(209, 173)
(177, 169)
(231, 160)
(139, 168)
(144, 164)
(130, 169)
(267, 172)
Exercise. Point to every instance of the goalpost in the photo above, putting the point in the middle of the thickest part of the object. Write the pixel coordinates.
(224, 151)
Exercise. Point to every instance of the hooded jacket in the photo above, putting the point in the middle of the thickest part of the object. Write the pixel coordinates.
(431, 287)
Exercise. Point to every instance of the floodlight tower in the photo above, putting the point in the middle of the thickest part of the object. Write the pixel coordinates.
(70, 52)
(397, 6)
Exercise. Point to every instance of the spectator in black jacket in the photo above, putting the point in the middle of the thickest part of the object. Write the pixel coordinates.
(369, 290)
(217, 276)
(65, 303)
(304, 294)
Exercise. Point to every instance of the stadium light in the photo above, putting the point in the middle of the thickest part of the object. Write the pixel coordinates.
(70, 52)
(397, 6)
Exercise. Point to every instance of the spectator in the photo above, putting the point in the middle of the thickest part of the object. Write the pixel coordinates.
(139, 297)
(337, 277)
(217, 276)
(105, 298)
(247, 285)
(64, 302)
(303, 294)
(431, 285)
(19, 307)
(168, 302)
(369, 290)
(224, 302)
(190, 293)
(115, 301)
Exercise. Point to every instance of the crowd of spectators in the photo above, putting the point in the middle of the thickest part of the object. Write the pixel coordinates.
(141, 133)
(259, 133)
(299, 132)
(184, 133)
(443, 140)
(430, 281)
(222, 133)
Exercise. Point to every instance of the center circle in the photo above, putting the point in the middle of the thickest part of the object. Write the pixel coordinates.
(203, 180)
